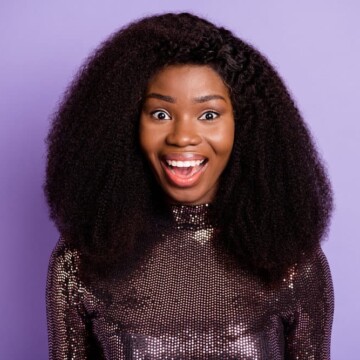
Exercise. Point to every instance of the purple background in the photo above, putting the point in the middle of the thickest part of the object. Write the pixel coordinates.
(316, 48)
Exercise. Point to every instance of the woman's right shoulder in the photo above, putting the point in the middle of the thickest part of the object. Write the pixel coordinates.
(64, 284)
(64, 256)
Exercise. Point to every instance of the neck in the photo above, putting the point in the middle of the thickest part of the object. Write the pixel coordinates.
(191, 216)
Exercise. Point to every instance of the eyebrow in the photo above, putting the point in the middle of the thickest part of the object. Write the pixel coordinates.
(200, 99)
(161, 97)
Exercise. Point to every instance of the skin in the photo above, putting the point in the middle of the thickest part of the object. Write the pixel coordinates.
(187, 115)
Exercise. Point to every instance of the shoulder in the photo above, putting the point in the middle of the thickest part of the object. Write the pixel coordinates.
(313, 265)
(312, 276)
(64, 284)
(64, 259)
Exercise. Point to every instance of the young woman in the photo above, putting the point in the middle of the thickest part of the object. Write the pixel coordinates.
(191, 203)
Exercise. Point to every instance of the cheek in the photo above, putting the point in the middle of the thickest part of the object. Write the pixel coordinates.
(222, 141)
(142, 134)
(149, 142)
(146, 139)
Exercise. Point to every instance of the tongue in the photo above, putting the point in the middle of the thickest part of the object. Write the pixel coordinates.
(182, 171)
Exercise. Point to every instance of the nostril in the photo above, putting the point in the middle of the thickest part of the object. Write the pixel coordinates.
(183, 138)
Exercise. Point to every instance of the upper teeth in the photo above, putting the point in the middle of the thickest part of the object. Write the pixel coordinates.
(184, 163)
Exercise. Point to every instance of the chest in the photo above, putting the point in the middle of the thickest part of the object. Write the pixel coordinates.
(187, 301)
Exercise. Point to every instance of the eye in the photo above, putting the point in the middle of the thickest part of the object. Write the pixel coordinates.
(160, 115)
(209, 115)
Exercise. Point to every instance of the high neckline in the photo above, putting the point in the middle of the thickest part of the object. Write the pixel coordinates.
(191, 216)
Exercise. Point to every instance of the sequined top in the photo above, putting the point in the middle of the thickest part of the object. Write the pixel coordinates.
(188, 300)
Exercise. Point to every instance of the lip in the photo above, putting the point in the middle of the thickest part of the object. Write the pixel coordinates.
(183, 181)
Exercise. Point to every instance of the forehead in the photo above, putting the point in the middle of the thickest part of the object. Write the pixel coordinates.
(187, 79)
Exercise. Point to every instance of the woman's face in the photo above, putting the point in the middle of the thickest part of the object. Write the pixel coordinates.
(187, 131)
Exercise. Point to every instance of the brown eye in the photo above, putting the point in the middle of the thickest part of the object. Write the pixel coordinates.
(160, 115)
(209, 115)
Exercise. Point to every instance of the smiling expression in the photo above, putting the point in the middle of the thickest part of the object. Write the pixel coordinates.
(187, 131)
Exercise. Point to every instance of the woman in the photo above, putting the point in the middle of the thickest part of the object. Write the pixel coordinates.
(191, 202)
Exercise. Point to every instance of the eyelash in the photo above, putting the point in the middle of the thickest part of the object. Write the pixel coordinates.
(200, 118)
(153, 113)
(210, 112)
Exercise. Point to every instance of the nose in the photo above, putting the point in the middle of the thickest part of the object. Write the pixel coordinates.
(183, 133)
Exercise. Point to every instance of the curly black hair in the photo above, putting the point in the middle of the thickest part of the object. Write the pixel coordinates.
(274, 199)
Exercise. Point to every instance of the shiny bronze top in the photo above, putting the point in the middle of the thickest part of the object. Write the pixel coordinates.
(188, 300)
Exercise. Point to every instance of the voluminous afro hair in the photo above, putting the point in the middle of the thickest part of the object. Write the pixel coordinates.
(274, 199)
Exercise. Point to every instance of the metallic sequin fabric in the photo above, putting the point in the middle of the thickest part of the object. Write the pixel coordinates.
(188, 300)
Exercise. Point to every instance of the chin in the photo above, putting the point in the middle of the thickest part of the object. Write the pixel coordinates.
(187, 198)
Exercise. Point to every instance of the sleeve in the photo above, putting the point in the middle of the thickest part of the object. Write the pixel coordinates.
(65, 317)
(308, 335)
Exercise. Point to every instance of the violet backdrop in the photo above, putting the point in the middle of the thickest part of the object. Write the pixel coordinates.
(314, 45)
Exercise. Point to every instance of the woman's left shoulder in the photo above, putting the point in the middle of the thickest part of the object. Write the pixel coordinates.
(313, 263)
(312, 273)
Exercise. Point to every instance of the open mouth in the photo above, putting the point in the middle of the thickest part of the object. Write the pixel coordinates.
(184, 173)
(185, 168)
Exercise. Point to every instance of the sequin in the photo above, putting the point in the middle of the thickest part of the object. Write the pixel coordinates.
(188, 300)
